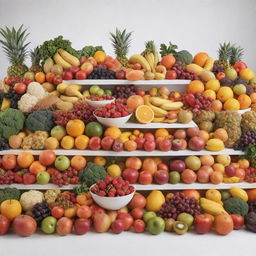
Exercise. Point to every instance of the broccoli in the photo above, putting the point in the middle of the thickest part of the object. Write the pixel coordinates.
(235, 205)
(9, 193)
(92, 174)
(89, 51)
(40, 120)
(11, 122)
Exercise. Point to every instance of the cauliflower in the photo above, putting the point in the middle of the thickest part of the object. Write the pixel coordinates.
(37, 90)
(30, 198)
(27, 102)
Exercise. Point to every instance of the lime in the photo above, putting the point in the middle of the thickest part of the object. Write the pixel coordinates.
(108, 92)
(93, 89)
(93, 129)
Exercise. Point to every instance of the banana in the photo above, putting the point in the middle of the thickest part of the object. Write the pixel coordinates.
(158, 112)
(209, 64)
(158, 119)
(69, 99)
(62, 87)
(170, 121)
(150, 58)
(54, 93)
(76, 86)
(72, 60)
(211, 207)
(159, 76)
(138, 58)
(59, 60)
(6, 103)
(233, 179)
(156, 58)
(125, 136)
(238, 192)
(157, 101)
(71, 91)
(172, 105)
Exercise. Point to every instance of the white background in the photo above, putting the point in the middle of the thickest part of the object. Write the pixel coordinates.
(196, 25)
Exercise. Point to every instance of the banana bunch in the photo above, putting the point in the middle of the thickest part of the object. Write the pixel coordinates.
(65, 59)
(70, 92)
(211, 207)
(238, 192)
(125, 136)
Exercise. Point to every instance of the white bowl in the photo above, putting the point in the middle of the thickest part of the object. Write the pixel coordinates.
(99, 103)
(242, 111)
(112, 203)
(119, 121)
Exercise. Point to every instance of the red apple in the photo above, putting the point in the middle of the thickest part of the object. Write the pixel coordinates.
(140, 142)
(171, 74)
(196, 143)
(149, 145)
(238, 221)
(82, 226)
(138, 201)
(107, 142)
(117, 226)
(165, 145)
(161, 177)
(64, 226)
(137, 213)
(24, 225)
(180, 134)
(118, 145)
(193, 131)
(9, 161)
(133, 162)
(230, 171)
(93, 61)
(20, 88)
(239, 66)
(177, 144)
(202, 224)
(127, 220)
(163, 166)
(101, 222)
(163, 90)
(131, 175)
(203, 176)
(188, 176)
(177, 165)
(4, 225)
(74, 69)
(49, 77)
(140, 92)
(139, 226)
(67, 75)
(57, 80)
(95, 143)
(120, 74)
(80, 75)
(149, 136)
(87, 67)
(145, 178)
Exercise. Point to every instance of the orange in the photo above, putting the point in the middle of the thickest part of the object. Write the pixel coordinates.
(218, 167)
(67, 142)
(161, 133)
(195, 86)
(149, 165)
(40, 77)
(217, 105)
(246, 74)
(232, 104)
(11, 208)
(36, 167)
(200, 58)
(236, 165)
(75, 127)
(221, 134)
(51, 143)
(70, 212)
(223, 224)
(207, 160)
(216, 177)
(134, 101)
(25, 159)
(251, 195)
(213, 84)
(78, 162)
(99, 56)
(81, 142)
(225, 93)
(245, 101)
(253, 97)
(243, 163)
(81, 199)
(144, 114)
(210, 94)
(157, 160)
(100, 160)
(130, 145)
(113, 132)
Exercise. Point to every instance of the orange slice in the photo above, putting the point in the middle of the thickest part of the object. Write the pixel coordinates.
(144, 114)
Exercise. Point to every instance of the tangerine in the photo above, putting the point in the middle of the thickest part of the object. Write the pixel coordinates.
(245, 101)
(40, 77)
(232, 104)
(100, 160)
(67, 142)
(200, 58)
(99, 56)
(25, 159)
(130, 145)
(134, 101)
(11, 208)
(75, 127)
(113, 132)
(196, 86)
(225, 93)
(81, 142)
(144, 114)
(162, 132)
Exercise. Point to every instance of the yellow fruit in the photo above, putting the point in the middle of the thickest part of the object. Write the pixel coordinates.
(213, 84)
(225, 93)
(113, 132)
(215, 145)
(100, 160)
(238, 192)
(232, 104)
(22, 134)
(67, 142)
(162, 132)
(99, 56)
(114, 170)
(223, 159)
(195, 68)
(155, 200)
(213, 194)
(144, 114)
(246, 74)
(51, 143)
(81, 142)
(210, 93)
(233, 179)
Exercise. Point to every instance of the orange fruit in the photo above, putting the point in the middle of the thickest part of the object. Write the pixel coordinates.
(78, 162)
(75, 127)
(200, 58)
(100, 160)
(246, 74)
(130, 145)
(218, 167)
(245, 101)
(144, 114)
(232, 104)
(195, 86)
(51, 143)
(134, 101)
(113, 132)
(216, 177)
(162, 132)
(210, 94)
(223, 224)
(221, 134)
(25, 159)
(149, 165)
(217, 105)
(243, 163)
(240, 173)
(36, 167)
(136, 132)
(99, 56)
(213, 84)
(225, 93)
(204, 135)
(253, 97)
(11, 208)
(207, 160)
(40, 77)
(81, 142)
(70, 212)
(67, 142)
(251, 195)
(157, 160)
(81, 199)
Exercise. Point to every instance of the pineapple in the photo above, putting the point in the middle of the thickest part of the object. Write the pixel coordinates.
(15, 48)
(121, 42)
(35, 60)
(236, 54)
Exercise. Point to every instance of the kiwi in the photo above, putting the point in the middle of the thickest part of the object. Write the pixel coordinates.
(180, 227)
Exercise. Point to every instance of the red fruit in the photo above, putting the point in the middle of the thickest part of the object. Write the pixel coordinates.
(57, 80)
(239, 66)
(49, 77)
(238, 221)
(137, 213)
(145, 178)
(161, 177)
(163, 166)
(140, 142)
(139, 226)
(138, 201)
(24, 225)
(196, 143)
(230, 171)
(95, 143)
(149, 145)
(120, 74)
(80, 75)
(177, 165)
(117, 226)
(4, 225)
(180, 134)
(191, 132)
(9, 161)
(47, 157)
(73, 70)
(220, 75)
(107, 142)
(29, 178)
(20, 88)
(190, 99)
(64, 226)
(82, 226)
(127, 220)
(57, 212)
(130, 175)
(118, 145)
(140, 92)
(171, 74)
(165, 145)
(177, 144)
(188, 176)
(67, 75)
(149, 136)
(203, 224)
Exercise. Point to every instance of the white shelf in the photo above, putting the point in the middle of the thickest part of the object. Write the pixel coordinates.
(139, 187)
(141, 153)
(126, 82)
(130, 125)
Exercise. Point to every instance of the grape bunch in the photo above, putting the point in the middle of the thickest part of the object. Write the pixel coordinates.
(6, 177)
(70, 176)
(4, 145)
(124, 91)
(101, 73)
(252, 207)
(14, 98)
(40, 211)
(250, 175)
(182, 73)
(178, 204)
(247, 138)
(65, 200)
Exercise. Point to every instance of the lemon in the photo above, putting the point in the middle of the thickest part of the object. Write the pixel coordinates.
(114, 170)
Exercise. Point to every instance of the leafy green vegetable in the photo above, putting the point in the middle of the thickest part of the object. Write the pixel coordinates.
(235, 205)
(80, 189)
(89, 51)
(9, 193)
(92, 174)
(40, 120)
(11, 122)
(250, 154)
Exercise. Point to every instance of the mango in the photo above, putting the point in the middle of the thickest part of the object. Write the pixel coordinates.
(155, 200)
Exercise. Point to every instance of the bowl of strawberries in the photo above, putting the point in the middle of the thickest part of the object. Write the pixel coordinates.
(113, 114)
(112, 193)
(99, 101)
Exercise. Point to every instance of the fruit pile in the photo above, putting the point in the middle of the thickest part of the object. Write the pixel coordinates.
(112, 110)
(99, 98)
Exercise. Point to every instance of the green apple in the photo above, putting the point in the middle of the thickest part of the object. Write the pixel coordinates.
(108, 92)
(93, 89)
(155, 225)
(86, 93)
(58, 132)
(231, 73)
(43, 177)
(186, 218)
(239, 89)
(174, 177)
(48, 225)
(100, 92)
(29, 75)
(148, 215)
(225, 195)
(62, 163)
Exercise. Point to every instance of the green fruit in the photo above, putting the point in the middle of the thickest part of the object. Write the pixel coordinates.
(155, 225)
(93, 89)
(225, 195)
(94, 129)
(239, 89)
(174, 177)
(100, 92)
(231, 73)
(180, 228)
(43, 177)
(48, 225)
(193, 162)
(186, 218)
(148, 215)
(108, 92)
(58, 132)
